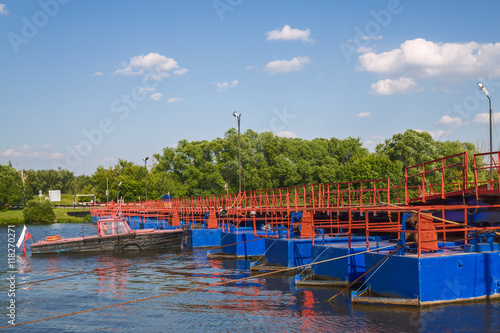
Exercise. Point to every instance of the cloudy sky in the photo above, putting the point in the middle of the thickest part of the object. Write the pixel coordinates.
(85, 83)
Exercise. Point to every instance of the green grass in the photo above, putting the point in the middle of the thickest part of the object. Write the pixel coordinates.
(66, 199)
(12, 217)
(15, 216)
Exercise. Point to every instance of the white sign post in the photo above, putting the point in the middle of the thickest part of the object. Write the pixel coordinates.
(55, 195)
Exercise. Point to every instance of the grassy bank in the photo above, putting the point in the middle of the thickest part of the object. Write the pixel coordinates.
(15, 216)
(66, 199)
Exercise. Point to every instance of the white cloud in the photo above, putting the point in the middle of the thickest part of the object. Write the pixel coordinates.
(402, 85)
(175, 100)
(285, 66)
(363, 49)
(250, 67)
(419, 58)
(156, 97)
(143, 90)
(180, 72)
(223, 86)
(484, 118)
(97, 74)
(436, 134)
(440, 134)
(27, 151)
(286, 134)
(369, 144)
(288, 33)
(450, 121)
(153, 64)
(373, 141)
(3, 9)
(363, 115)
(366, 37)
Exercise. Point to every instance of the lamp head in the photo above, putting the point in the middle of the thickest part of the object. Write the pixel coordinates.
(481, 86)
(235, 114)
(147, 157)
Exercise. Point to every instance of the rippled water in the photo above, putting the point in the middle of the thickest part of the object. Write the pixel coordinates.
(265, 304)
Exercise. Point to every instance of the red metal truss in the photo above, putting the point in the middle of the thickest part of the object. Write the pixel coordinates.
(364, 207)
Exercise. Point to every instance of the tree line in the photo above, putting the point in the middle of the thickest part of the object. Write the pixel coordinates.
(195, 168)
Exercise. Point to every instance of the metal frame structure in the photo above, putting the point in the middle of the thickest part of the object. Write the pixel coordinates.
(441, 193)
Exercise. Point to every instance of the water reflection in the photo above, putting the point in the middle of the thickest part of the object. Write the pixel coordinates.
(270, 303)
(112, 281)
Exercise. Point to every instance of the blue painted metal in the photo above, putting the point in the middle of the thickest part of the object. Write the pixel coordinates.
(482, 242)
(345, 269)
(138, 223)
(204, 224)
(288, 253)
(297, 251)
(203, 238)
(437, 277)
(242, 244)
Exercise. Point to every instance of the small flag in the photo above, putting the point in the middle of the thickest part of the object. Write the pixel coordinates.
(25, 235)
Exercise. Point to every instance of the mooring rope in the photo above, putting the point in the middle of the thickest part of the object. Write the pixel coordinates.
(368, 279)
(368, 271)
(267, 250)
(326, 248)
(194, 289)
(213, 247)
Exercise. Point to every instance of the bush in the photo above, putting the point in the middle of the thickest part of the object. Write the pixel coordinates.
(38, 212)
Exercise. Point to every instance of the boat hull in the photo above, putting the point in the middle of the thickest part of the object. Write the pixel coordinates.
(137, 241)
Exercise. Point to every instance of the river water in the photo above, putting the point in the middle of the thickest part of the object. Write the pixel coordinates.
(257, 304)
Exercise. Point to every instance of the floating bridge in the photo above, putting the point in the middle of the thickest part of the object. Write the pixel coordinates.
(439, 227)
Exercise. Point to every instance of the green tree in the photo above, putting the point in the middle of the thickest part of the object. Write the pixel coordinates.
(410, 148)
(371, 167)
(11, 187)
(196, 168)
(38, 212)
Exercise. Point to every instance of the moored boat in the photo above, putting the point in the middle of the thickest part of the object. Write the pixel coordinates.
(114, 234)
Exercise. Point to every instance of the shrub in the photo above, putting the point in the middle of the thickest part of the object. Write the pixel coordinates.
(38, 212)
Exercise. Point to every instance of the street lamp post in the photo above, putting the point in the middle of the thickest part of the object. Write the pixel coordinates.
(146, 175)
(24, 177)
(107, 190)
(118, 192)
(481, 86)
(238, 116)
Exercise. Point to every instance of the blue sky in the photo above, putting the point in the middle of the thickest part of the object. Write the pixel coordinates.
(85, 83)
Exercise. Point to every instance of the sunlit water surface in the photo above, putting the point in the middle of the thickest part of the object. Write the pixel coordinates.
(266, 304)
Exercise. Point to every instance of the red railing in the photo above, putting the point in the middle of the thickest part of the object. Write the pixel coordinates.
(363, 207)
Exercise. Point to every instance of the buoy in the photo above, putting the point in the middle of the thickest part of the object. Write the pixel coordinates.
(53, 238)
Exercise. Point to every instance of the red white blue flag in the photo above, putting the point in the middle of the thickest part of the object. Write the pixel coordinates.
(25, 235)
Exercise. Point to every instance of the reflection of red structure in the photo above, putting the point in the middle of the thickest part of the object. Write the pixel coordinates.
(24, 265)
(111, 280)
(308, 307)
(242, 296)
(53, 265)
(307, 312)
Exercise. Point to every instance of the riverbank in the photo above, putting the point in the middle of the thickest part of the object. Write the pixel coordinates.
(15, 216)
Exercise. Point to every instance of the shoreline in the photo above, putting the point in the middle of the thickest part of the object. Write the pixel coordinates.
(16, 217)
